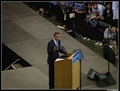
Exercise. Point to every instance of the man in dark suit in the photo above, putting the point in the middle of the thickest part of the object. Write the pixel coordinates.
(53, 49)
(108, 52)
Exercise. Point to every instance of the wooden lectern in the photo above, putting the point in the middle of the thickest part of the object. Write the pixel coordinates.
(67, 73)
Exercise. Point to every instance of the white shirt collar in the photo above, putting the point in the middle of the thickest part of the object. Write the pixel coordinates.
(110, 46)
(54, 40)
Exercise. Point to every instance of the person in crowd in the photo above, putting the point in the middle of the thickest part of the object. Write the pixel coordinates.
(97, 9)
(53, 49)
(42, 12)
(89, 31)
(112, 33)
(70, 15)
(97, 15)
(80, 16)
(108, 14)
(57, 9)
(115, 7)
(108, 52)
(53, 9)
(61, 14)
(89, 9)
(45, 13)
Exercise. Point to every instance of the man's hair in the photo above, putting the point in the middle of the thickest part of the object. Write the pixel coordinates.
(56, 33)
(109, 40)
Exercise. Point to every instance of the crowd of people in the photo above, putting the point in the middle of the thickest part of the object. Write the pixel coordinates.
(87, 20)
(91, 21)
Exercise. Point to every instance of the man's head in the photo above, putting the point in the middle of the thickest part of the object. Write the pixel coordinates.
(56, 36)
(113, 29)
(41, 9)
(110, 42)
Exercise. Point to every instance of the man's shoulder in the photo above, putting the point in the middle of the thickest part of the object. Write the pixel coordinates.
(50, 41)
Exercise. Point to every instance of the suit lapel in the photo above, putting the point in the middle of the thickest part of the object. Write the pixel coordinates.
(53, 42)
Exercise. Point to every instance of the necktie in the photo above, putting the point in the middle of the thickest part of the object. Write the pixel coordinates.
(56, 43)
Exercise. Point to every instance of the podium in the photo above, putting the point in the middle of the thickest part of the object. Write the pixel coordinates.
(67, 72)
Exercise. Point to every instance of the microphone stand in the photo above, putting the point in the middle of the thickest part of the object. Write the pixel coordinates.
(108, 68)
(110, 79)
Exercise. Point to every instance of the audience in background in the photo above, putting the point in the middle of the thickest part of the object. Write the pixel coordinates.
(87, 20)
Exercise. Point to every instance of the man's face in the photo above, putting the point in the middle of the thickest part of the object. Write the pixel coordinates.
(56, 37)
(111, 42)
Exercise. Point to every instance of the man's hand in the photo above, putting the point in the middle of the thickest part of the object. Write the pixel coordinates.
(68, 54)
(56, 48)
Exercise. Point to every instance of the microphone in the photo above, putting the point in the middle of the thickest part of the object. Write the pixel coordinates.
(63, 49)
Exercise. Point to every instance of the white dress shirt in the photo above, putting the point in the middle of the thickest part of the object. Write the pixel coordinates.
(110, 46)
(100, 9)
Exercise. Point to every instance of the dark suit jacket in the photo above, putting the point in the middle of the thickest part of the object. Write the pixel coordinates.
(109, 54)
(52, 55)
